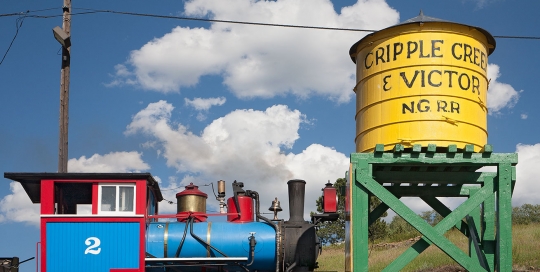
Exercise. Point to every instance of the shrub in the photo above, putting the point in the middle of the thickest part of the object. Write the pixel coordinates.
(526, 214)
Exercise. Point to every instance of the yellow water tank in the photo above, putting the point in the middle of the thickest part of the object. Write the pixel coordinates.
(422, 81)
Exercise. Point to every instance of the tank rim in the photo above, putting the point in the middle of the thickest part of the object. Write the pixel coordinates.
(421, 18)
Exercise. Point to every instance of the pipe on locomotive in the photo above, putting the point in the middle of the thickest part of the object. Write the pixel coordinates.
(258, 215)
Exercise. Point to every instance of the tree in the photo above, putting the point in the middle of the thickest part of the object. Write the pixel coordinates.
(526, 214)
(399, 229)
(431, 217)
(379, 228)
(334, 232)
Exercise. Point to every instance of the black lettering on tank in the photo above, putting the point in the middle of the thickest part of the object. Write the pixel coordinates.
(454, 106)
(366, 59)
(388, 53)
(475, 56)
(467, 52)
(434, 48)
(430, 82)
(402, 74)
(385, 80)
(441, 106)
(396, 51)
(411, 50)
(454, 50)
(475, 84)
(379, 56)
(460, 81)
(483, 63)
(419, 105)
(422, 50)
(406, 107)
(450, 72)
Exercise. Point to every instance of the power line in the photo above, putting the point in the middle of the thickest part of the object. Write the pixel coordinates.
(28, 12)
(518, 37)
(18, 25)
(94, 11)
(225, 21)
(260, 24)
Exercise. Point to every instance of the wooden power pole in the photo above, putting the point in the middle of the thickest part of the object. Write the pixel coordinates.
(64, 90)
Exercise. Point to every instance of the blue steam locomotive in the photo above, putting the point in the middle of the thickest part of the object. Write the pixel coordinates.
(110, 222)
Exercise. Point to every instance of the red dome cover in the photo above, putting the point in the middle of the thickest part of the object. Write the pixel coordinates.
(192, 190)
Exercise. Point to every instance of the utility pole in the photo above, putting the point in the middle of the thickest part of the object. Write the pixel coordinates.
(64, 87)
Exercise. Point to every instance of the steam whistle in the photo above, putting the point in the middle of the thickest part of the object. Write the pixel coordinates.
(221, 196)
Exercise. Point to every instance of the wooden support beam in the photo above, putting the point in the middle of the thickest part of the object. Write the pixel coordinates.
(445, 174)
(431, 235)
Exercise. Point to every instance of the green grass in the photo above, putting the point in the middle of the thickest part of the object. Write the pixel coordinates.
(526, 247)
(525, 257)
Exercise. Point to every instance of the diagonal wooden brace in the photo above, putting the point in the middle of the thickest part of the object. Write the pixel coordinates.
(431, 235)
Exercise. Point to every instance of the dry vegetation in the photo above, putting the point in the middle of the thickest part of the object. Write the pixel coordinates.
(526, 253)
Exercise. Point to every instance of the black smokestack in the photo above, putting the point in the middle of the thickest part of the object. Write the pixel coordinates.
(297, 191)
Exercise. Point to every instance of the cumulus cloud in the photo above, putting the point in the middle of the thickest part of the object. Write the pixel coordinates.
(17, 207)
(527, 185)
(500, 95)
(480, 4)
(204, 104)
(122, 162)
(257, 61)
(249, 146)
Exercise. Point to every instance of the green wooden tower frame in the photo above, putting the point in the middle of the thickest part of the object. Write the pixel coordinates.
(429, 172)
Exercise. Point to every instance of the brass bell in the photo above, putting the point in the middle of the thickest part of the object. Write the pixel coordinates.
(275, 207)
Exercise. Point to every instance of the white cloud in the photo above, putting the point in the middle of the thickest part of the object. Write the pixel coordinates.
(17, 207)
(245, 145)
(527, 185)
(480, 4)
(111, 162)
(122, 70)
(500, 95)
(260, 61)
(204, 104)
(524, 116)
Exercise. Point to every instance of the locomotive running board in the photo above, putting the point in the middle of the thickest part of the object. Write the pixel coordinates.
(226, 259)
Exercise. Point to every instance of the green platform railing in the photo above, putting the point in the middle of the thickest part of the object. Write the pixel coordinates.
(485, 217)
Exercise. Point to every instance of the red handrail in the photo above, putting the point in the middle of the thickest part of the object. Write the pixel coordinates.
(183, 215)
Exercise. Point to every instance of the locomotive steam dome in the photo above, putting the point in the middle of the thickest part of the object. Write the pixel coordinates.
(191, 200)
(423, 81)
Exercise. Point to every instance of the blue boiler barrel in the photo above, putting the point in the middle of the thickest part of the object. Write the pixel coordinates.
(163, 240)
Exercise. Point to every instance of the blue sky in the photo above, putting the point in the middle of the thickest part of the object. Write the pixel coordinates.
(198, 102)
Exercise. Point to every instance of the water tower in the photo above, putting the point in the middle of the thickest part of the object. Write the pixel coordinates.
(421, 131)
